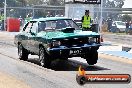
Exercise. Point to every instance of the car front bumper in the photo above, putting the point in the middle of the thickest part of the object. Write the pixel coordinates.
(62, 51)
(74, 47)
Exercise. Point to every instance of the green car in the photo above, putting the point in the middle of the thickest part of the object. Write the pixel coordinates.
(57, 38)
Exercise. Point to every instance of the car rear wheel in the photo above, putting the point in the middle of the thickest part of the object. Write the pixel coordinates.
(44, 58)
(117, 30)
(22, 53)
(92, 57)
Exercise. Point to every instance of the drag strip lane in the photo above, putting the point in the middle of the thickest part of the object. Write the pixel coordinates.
(61, 74)
(58, 65)
(57, 75)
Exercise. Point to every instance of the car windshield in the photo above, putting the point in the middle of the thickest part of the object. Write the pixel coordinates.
(57, 24)
(121, 23)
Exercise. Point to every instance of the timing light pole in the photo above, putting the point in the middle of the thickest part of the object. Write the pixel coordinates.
(5, 15)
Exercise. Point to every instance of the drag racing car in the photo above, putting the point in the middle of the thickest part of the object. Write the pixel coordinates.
(57, 38)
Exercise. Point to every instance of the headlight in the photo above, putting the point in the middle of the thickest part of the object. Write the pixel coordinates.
(92, 40)
(56, 43)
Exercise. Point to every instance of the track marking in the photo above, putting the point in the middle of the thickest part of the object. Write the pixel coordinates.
(115, 58)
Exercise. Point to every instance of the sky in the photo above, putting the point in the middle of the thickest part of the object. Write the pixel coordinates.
(128, 4)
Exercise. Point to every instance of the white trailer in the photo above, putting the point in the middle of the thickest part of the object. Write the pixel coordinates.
(75, 9)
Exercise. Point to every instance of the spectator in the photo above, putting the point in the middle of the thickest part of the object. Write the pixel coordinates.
(109, 21)
(86, 21)
(130, 30)
(127, 26)
(130, 24)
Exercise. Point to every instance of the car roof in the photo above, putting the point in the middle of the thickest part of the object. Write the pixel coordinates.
(50, 18)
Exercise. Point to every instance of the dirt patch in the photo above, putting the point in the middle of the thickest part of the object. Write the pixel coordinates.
(7, 81)
(6, 37)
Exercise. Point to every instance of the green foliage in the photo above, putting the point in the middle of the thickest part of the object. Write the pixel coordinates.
(112, 4)
(21, 2)
(126, 18)
(1, 17)
(14, 3)
(1, 3)
(14, 12)
(56, 2)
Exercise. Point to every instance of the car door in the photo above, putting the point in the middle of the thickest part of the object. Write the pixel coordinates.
(32, 38)
(24, 35)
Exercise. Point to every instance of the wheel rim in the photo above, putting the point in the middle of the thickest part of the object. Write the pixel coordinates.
(42, 57)
(82, 81)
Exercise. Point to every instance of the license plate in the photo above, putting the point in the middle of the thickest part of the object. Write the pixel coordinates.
(75, 51)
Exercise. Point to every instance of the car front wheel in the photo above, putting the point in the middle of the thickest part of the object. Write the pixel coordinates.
(92, 57)
(22, 53)
(44, 58)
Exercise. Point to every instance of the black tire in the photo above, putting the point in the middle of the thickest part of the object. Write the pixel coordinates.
(44, 58)
(22, 53)
(65, 58)
(117, 30)
(92, 57)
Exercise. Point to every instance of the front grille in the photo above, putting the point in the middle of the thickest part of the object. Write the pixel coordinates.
(69, 42)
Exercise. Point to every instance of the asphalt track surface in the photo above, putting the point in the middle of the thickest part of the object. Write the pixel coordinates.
(61, 74)
(126, 40)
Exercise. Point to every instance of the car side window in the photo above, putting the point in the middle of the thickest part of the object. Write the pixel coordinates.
(50, 25)
(33, 28)
(60, 24)
(41, 26)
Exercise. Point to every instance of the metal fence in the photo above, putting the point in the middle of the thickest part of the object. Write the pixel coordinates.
(35, 12)
(98, 14)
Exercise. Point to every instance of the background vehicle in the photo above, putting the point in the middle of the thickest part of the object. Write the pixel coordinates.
(118, 26)
(57, 38)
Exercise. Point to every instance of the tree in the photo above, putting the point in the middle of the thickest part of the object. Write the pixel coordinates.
(119, 3)
(22, 2)
(112, 4)
(126, 18)
(15, 12)
(56, 2)
(35, 2)
(2, 3)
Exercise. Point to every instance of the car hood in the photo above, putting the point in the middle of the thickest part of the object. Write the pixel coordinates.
(59, 34)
